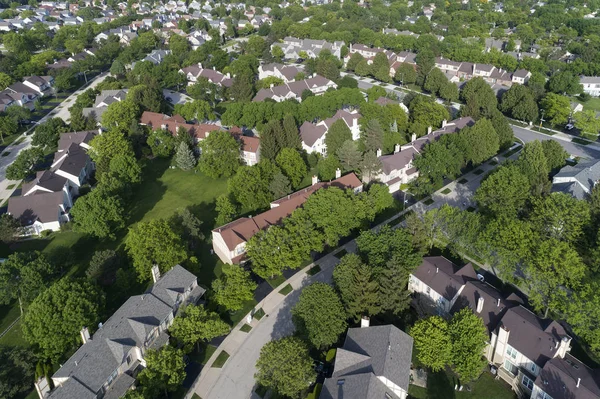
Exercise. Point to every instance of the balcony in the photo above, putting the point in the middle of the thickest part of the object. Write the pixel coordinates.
(514, 381)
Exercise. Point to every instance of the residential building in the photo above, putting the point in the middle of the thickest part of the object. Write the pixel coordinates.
(293, 90)
(103, 100)
(292, 47)
(373, 363)
(566, 378)
(41, 84)
(287, 73)
(107, 363)
(313, 134)
(577, 180)
(155, 57)
(249, 146)
(198, 131)
(229, 241)
(591, 85)
(194, 72)
(398, 169)
(521, 76)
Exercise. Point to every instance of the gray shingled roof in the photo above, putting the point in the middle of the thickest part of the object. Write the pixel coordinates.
(585, 174)
(66, 139)
(443, 276)
(368, 353)
(559, 379)
(44, 207)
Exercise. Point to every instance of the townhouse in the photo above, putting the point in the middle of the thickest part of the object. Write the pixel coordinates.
(313, 134)
(45, 201)
(293, 90)
(229, 241)
(287, 73)
(176, 123)
(249, 146)
(103, 100)
(577, 180)
(107, 363)
(591, 85)
(194, 72)
(398, 169)
(293, 47)
(530, 353)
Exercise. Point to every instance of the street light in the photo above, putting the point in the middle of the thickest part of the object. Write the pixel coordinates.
(542, 119)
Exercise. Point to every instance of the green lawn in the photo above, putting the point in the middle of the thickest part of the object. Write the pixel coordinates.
(592, 104)
(286, 290)
(246, 328)
(220, 360)
(206, 351)
(441, 386)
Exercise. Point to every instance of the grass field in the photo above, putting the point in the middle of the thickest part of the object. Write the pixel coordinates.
(592, 104)
(441, 386)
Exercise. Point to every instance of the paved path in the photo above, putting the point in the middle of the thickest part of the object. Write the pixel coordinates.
(236, 378)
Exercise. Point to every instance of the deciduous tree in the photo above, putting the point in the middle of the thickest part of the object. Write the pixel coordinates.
(164, 371)
(469, 338)
(337, 135)
(292, 165)
(197, 324)
(433, 342)
(220, 155)
(233, 288)
(99, 213)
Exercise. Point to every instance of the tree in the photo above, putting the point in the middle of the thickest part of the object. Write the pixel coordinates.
(555, 154)
(358, 287)
(564, 82)
(274, 250)
(199, 110)
(99, 213)
(197, 324)
(482, 141)
(271, 139)
(250, 185)
(337, 135)
(393, 279)
(533, 164)
(518, 102)
(425, 113)
(587, 122)
(469, 338)
(220, 155)
(26, 160)
(184, 157)
(291, 136)
(319, 315)
(5, 80)
(9, 228)
(233, 288)
(46, 135)
(53, 320)
(556, 108)
(19, 114)
(434, 81)
(405, 74)
(164, 371)
(17, 371)
(349, 156)
(377, 249)
(23, 276)
(103, 262)
(449, 92)
(280, 186)
(373, 138)
(241, 88)
(504, 192)
(64, 80)
(354, 60)
(327, 167)
(480, 100)
(120, 115)
(560, 216)
(161, 142)
(8, 126)
(106, 147)
(370, 166)
(154, 242)
(433, 342)
(363, 68)
(554, 267)
(226, 210)
(277, 52)
(285, 366)
(118, 68)
(292, 165)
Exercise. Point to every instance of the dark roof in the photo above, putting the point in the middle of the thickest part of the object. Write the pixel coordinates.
(559, 379)
(66, 139)
(535, 338)
(398, 160)
(368, 353)
(443, 276)
(71, 161)
(173, 283)
(45, 179)
(44, 207)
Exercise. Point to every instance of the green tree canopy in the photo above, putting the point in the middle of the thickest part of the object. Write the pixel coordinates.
(164, 371)
(358, 287)
(99, 213)
(432, 342)
(220, 155)
(504, 192)
(337, 135)
(197, 324)
(469, 338)
(233, 288)
(292, 165)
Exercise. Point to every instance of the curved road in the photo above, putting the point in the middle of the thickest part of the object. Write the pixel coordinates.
(576, 150)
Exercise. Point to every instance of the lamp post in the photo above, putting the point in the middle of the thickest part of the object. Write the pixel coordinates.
(542, 119)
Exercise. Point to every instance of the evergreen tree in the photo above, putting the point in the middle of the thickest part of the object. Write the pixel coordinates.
(336, 136)
(271, 139)
(291, 135)
(184, 158)
(392, 281)
(373, 138)
(280, 186)
(357, 286)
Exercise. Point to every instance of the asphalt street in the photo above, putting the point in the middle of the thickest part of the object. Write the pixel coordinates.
(575, 150)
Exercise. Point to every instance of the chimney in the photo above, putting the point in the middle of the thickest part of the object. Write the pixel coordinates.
(338, 173)
(564, 347)
(437, 269)
(480, 304)
(413, 137)
(85, 335)
(155, 273)
(578, 382)
(365, 321)
(444, 123)
(378, 153)
(315, 180)
(396, 148)
(498, 304)
(429, 130)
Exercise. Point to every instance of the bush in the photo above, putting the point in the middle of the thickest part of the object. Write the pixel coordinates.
(584, 97)
(45, 233)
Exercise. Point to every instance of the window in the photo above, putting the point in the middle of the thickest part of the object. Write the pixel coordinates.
(428, 290)
(527, 383)
(533, 367)
(511, 352)
(128, 360)
(511, 368)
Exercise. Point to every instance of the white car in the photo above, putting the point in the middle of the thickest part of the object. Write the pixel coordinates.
(569, 126)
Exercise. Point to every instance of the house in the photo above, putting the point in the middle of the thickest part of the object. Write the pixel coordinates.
(398, 169)
(229, 241)
(521, 76)
(577, 180)
(155, 57)
(194, 72)
(21, 95)
(42, 85)
(107, 363)
(74, 164)
(566, 377)
(103, 100)
(287, 73)
(174, 123)
(292, 47)
(293, 90)
(373, 363)
(313, 134)
(591, 85)
(250, 146)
